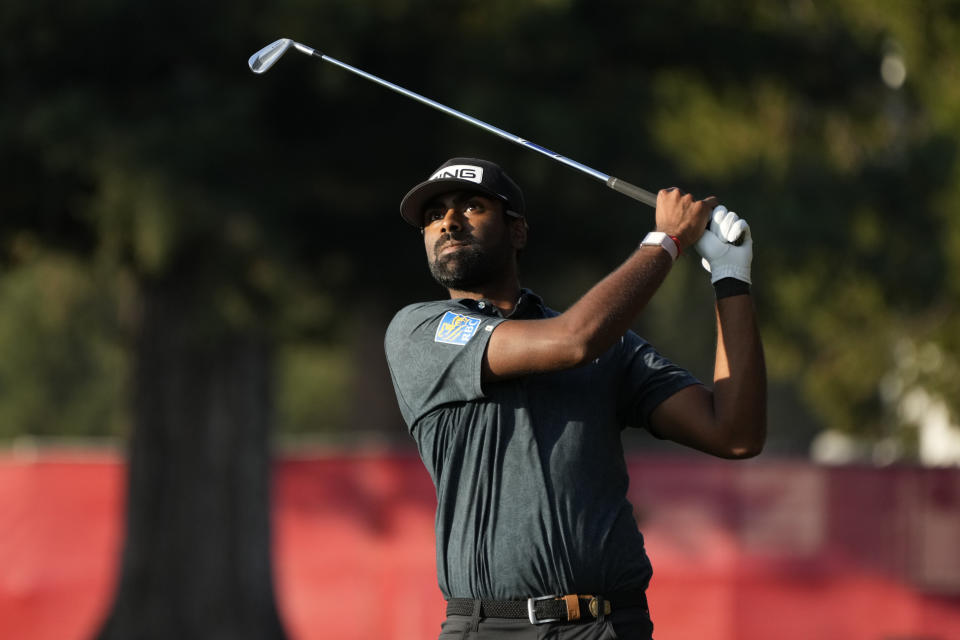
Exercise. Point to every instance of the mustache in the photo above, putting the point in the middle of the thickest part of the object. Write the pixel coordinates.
(449, 238)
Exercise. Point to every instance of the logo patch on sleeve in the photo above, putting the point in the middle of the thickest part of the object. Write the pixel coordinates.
(456, 329)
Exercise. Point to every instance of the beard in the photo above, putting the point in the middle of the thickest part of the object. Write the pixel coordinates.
(470, 267)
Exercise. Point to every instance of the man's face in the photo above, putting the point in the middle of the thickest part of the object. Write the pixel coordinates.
(468, 239)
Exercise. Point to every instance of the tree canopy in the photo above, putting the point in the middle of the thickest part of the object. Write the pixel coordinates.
(137, 147)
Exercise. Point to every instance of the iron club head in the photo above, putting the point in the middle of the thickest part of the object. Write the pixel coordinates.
(266, 57)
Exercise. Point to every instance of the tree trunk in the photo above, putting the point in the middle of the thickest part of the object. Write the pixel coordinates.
(196, 561)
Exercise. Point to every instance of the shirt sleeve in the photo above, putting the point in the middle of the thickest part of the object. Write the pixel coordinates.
(435, 355)
(648, 379)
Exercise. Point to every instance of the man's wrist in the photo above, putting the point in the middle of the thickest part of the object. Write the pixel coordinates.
(670, 244)
(728, 287)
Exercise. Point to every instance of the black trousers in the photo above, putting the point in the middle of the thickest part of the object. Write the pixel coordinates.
(626, 624)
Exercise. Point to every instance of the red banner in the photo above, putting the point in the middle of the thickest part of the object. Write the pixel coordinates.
(741, 550)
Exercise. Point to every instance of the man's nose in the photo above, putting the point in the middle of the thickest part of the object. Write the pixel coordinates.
(452, 220)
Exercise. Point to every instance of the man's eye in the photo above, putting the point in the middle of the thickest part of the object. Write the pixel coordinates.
(432, 215)
(474, 205)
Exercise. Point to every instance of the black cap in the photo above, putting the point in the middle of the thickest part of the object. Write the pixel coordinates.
(457, 174)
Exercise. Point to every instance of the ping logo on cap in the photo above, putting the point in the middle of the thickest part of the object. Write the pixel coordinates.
(469, 172)
(456, 329)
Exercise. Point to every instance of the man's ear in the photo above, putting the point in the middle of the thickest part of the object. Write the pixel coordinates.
(518, 232)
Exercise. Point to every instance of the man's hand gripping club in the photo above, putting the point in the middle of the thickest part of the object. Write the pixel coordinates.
(681, 217)
(722, 257)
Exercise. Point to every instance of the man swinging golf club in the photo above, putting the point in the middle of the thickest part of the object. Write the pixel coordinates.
(517, 409)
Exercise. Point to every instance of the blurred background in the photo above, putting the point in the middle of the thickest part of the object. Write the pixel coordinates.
(198, 434)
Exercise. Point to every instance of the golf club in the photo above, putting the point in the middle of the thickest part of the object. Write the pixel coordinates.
(262, 60)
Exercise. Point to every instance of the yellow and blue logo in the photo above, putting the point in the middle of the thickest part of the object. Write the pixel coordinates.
(456, 329)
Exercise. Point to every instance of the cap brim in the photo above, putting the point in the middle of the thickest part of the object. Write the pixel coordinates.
(411, 207)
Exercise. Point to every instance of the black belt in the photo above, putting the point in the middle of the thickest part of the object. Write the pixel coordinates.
(564, 608)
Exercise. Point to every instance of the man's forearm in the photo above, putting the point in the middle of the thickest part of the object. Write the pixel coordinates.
(586, 329)
(608, 310)
(740, 379)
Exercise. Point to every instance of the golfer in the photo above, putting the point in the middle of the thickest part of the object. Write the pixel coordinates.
(517, 409)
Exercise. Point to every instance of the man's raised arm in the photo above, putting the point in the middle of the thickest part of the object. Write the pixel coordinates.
(731, 420)
(604, 313)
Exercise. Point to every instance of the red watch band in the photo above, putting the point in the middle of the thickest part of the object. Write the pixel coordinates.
(676, 241)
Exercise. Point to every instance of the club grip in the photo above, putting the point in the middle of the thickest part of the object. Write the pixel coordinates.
(632, 191)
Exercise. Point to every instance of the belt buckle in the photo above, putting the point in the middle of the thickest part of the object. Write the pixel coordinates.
(532, 613)
(594, 606)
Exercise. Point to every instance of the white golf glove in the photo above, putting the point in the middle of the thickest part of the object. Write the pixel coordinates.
(720, 256)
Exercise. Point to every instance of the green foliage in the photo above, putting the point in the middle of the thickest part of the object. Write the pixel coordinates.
(314, 382)
(65, 361)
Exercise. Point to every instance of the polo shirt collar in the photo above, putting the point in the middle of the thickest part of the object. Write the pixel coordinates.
(529, 305)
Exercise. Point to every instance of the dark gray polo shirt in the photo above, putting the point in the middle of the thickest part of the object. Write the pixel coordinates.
(530, 474)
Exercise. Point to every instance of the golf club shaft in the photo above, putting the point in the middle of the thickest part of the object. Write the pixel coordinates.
(627, 189)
